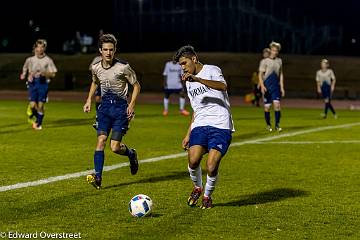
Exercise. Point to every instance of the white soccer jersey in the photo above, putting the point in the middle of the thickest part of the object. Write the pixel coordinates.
(326, 76)
(35, 64)
(173, 72)
(211, 107)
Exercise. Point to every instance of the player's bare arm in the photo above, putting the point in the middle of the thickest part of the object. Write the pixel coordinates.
(134, 95)
(261, 82)
(282, 89)
(209, 83)
(87, 106)
(185, 141)
(333, 82)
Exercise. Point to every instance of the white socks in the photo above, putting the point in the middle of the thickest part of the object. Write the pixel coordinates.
(166, 104)
(196, 176)
(182, 103)
(210, 185)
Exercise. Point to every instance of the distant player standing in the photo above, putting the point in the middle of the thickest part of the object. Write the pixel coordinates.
(172, 84)
(325, 81)
(97, 93)
(114, 113)
(271, 80)
(38, 70)
(211, 126)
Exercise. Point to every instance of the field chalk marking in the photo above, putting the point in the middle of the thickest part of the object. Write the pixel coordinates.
(171, 156)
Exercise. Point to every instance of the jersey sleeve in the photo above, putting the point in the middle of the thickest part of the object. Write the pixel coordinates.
(25, 67)
(130, 75)
(51, 66)
(95, 79)
(317, 77)
(332, 75)
(262, 66)
(217, 75)
(166, 69)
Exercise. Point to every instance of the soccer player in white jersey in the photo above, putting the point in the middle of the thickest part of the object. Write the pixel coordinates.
(211, 125)
(114, 113)
(325, 81)
(38, 70)
(271, 80)
(172, 84)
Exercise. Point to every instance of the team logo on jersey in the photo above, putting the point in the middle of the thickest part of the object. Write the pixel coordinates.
(199, 91)
(220, 146)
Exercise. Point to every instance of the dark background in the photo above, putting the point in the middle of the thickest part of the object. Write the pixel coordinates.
(303, 27)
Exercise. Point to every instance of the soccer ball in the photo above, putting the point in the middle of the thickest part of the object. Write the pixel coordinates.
(140, 205)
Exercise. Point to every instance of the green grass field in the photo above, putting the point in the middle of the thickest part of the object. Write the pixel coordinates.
(268, 188)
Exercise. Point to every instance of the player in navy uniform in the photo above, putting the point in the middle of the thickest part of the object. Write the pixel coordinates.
(271, 80)
(114, 113)
(211, 126)
(325, 81)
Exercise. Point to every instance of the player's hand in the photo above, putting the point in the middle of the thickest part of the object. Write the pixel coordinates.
(188, 77)
(130, 112)
(319, 91)
(282, 92)
(263, 89)
(87, 107)
(185, 143)
(30, 77)
(22, 76)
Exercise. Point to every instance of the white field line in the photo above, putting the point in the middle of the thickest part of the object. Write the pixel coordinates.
(165, 157)
(313, 142)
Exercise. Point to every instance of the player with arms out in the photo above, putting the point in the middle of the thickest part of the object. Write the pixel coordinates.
(271, 80)
(211, 125)
(38, 70)
(172, 84)
(325, 81)
(114, 113)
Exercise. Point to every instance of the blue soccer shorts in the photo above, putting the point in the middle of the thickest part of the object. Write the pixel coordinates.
(211, 138)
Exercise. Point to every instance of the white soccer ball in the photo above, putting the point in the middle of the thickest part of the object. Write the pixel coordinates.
(140, 205)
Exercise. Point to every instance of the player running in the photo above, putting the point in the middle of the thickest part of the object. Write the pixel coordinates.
(97, 93)
(38, 70)
(114, 113)
(271, 80)
(211, 125)
(172, 84)
(325, 80)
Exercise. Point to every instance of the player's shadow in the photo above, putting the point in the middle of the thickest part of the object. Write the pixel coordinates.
(69, 122)
(169, 177)
(274, 195)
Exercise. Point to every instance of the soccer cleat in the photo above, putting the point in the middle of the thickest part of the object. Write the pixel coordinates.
(206, 203)
(184, 112)
(278, 128)
(36, 127)
(268, 127)
(94, 180)
(165, 113)
(194, 196)
(335, 116)
(134, 164)
(323, 115)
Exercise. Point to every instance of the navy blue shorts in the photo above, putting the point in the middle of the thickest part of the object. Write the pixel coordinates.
(38, 91)
(98, 91)
(326, 91)
(211, 138)
(112, 115)
(272, 95)
(168, 92)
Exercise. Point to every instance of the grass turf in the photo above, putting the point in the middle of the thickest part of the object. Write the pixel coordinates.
(265, 191)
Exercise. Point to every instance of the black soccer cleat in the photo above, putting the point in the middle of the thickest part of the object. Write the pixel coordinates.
(134, 164)
(206, 203)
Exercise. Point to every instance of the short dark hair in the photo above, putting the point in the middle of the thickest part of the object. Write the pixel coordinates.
(107, 38)
(185, 51)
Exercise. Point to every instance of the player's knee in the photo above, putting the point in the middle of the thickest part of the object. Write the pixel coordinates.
(116, 147)
(101, 142)
(194, 162)
(212, 169)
